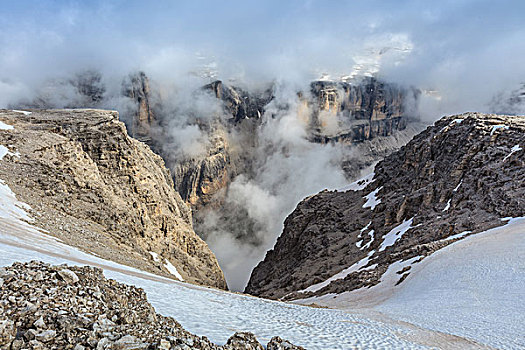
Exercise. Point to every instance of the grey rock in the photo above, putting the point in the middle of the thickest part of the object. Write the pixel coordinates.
(40, 323)
(68, 276)
(277, 343)
(129, 342)
(7, 331)
(456, 176)
(88, 322)
(164, 344)
(46, 336)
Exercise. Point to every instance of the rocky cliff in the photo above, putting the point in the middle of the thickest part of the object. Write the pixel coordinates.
(137, 88)
(61, 307)
(96, 188)
(461, 176)
(362, 111)
(366, 109)
(239, 103)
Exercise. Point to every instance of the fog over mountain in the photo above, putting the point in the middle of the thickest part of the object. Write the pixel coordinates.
(458, 58)
(451, 47)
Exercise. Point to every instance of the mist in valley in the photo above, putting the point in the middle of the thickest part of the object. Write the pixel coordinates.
(48, 56)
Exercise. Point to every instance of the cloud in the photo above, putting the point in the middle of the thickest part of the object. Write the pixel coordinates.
(460, 53)
(467, 50)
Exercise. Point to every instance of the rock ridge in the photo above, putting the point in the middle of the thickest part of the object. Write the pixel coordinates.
(96, 188)
(461, 176)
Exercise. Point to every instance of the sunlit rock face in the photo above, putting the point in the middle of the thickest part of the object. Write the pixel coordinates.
(97, 188)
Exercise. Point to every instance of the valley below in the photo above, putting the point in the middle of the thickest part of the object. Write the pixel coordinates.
(458, 291)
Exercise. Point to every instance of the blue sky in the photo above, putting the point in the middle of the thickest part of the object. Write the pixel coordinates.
(453, 45)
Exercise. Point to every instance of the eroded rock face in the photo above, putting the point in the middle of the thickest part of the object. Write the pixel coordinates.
(40, 310)
(363, 111)
(366, 110)
(201, 179)
(137, 88)
(98, 189)
(239, 103)
(457, 178)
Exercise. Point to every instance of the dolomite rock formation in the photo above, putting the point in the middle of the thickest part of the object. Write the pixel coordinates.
(137, 87)
(369, 110)
(366, 110)
(457, 178)
(200, 180)
(40, 309)
(239, 103)
(96, 188)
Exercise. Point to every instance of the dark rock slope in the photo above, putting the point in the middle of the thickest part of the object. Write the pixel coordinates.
(457, 178)
(60, 307)
(96, 188)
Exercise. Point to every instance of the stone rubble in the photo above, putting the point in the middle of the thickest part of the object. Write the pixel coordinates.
(42, 309)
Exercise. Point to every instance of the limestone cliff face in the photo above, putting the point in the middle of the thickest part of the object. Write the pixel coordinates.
(96, 188)
(240, 104)
(137, 87)
(202, 180)
(366, 110)
(457, 178)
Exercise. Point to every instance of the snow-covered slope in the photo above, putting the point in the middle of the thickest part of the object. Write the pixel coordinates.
(218, 314)
(473, 288)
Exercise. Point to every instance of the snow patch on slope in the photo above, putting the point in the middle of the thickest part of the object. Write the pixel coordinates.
(4, 126)
(359, 184)
(447, 207)
(371, 199)
(452, 123)
(458, 235)
(496, 127)
(366, 296)
(396, 233)
(10, 207)
(172, 269)
(23, 112)
(474, 288)
(513, 150)
(5, 151)
(341, 275)
(155, 256)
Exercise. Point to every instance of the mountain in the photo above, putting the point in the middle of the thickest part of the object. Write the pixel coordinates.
(219, 139)
(98, 189)
(459, 177)
(344, 113)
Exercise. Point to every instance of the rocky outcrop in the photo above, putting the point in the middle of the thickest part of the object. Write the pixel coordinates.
(42, 309)
(96, 188)
(457, 178)
(137, 88)
(366, 109)
(200, 180)
(240, 104)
